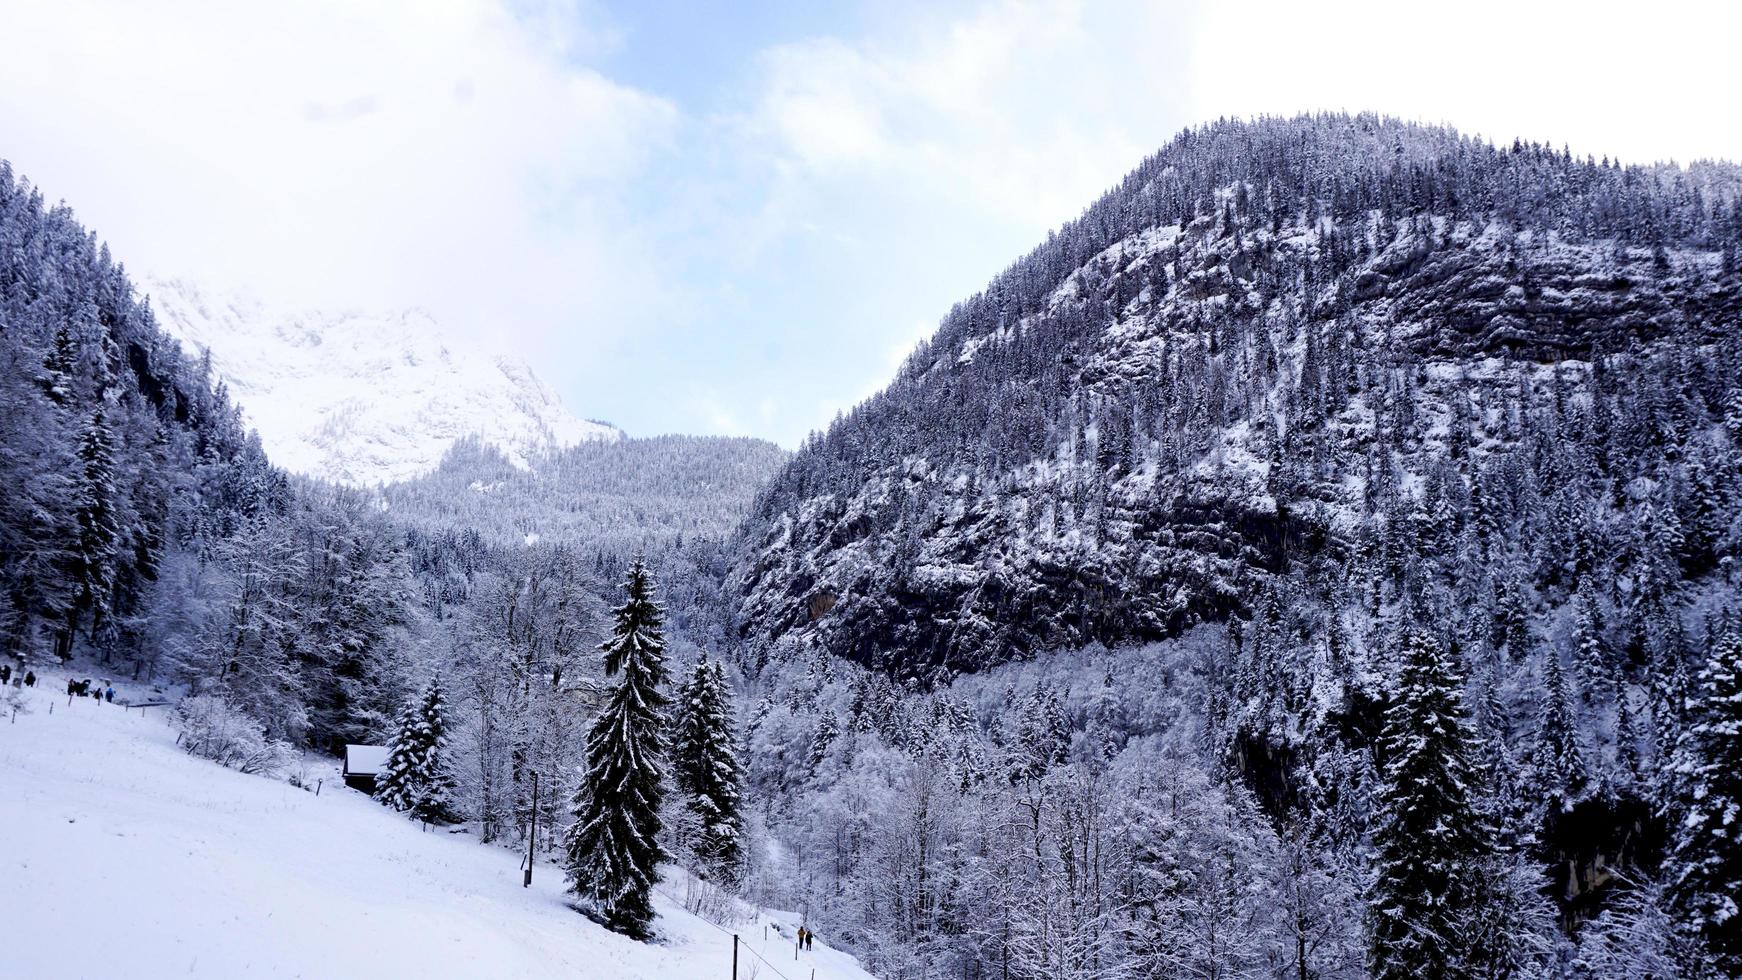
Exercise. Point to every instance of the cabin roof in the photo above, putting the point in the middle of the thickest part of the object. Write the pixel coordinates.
(365, 760)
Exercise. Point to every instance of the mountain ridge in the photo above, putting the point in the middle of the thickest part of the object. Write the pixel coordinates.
(364, 398)
(1121, 412)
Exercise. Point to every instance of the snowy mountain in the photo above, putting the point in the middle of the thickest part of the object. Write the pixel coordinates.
(1336, 498)
(1224, 369)
(364, 398)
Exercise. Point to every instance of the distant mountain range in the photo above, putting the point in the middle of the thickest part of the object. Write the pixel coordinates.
(364, 398)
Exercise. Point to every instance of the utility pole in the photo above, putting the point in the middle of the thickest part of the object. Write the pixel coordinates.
(734, 956)
(533, 836)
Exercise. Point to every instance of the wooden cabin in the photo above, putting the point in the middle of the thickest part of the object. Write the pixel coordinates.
(362, 764)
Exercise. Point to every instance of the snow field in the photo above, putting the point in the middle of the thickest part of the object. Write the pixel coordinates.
(120, 854)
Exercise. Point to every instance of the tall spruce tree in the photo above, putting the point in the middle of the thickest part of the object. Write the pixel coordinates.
(1590, 656)
(417, 780)
(96, 534)
(1558, 764)
(1429, 837)
(612, 850)
(60, 365)
(1706, 859)
(706, 769)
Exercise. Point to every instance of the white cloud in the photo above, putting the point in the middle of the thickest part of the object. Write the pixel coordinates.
(1644, 83)
(397, 152)
(1025, 109)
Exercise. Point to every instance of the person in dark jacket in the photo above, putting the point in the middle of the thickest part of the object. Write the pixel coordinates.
(5, 674)
(109, 694)
(30, 679)
(72, 687)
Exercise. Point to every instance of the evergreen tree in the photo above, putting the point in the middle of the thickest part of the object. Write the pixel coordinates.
(1627, 733)
(828, 729)
(96, 534)
(1590, 656)
(1558, 763)
(1042, 737)
(706, 769)
(1429, 838)
(612, 850)
(1733, 414)
(1706, 859)
(417, 779)
(59, 366)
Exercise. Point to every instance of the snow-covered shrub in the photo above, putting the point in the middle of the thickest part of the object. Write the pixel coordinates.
(1636, 937)
(12, 702)
(299, 773)
(707, 899)
(212, 728)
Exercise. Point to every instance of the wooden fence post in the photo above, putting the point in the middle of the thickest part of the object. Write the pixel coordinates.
(533, 836)
(734, 956)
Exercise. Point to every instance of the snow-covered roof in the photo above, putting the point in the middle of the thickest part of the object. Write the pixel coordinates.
(365, 760)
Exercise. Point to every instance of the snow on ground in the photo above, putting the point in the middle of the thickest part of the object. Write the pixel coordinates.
(121, 855)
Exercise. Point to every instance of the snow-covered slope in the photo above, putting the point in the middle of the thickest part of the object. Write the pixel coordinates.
(123, 856)
(364, 398)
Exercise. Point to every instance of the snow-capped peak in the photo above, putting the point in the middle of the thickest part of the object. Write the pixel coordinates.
(364, 397)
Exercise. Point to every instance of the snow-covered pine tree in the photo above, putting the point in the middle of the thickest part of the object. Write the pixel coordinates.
(612, 851)
(417, 779)
(395, 785)
(59, 365)
(1557, 763)
(1429, 838)
(1733, 413)
(96, 536)
(1627, 757)
(1042, 737)
(828, 729)
(1705, 865)
(1590, 656)
(706, 769)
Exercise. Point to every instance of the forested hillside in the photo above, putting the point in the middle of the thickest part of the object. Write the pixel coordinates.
(618, 495)
(118, 456)
(1319, 559)
(1240, 360)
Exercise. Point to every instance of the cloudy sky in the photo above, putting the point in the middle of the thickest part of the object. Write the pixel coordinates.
(737, 217)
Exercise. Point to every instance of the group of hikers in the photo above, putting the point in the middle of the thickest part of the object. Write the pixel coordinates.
(89, 689)
(805, 938)
(11, 676)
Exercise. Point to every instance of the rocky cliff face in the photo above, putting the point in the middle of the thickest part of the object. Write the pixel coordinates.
(1214, 374)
